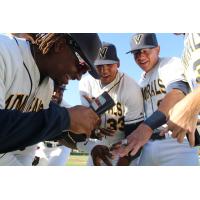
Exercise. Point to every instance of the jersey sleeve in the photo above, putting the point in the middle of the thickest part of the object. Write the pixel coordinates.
(134, 111)
(19, 130)
(171, 70)
(84, 90)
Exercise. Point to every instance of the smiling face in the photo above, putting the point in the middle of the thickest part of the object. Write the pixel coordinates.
(147, 58)
(61, 63)
(107, 72)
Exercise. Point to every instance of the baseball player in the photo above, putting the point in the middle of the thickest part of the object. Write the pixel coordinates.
(123, 118)
(183, 116)
(162, 85)
(52, 153)
(27, 116)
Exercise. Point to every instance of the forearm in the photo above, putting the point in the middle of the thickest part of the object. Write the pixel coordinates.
(129, 128)
(193, 100)
(170, 100)
(160, 117)
(19, 130)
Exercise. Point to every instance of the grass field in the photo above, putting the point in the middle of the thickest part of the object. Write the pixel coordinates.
(77, 160)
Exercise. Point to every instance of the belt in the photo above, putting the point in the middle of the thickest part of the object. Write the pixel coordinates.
(52, 144)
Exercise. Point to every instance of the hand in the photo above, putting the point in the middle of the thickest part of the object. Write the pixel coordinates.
(101, 153)
(136, 140)
(123, 161)
(83, 120)
(88, 99)
(181, 122)
(99, 133)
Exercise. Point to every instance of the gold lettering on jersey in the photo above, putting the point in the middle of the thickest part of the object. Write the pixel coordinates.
(116, 122)
(19, 102)
(137, 38)
(154, 88)
(116, 110)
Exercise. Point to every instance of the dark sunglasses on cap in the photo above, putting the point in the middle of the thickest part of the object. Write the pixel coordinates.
(77, 51)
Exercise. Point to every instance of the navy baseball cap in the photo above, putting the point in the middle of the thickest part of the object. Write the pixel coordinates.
(107, 55)
(143, 41)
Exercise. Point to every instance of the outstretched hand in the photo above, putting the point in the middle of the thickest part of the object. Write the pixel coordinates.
(101, 153)
(137, 139)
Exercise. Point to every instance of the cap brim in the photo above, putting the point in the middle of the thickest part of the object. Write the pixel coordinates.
(93, 72)
(84, 51)
(143, 47)
(105, 62)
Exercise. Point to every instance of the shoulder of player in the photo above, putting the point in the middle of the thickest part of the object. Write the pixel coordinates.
(166, 62)
(129, 81)
(9, 52)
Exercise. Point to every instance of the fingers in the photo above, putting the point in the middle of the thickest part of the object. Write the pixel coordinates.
(191, 138)
(181, 136)
(164, 131)
(135, 149)
(101, 153)
(175, 132)
(97, 161)
(107, 161)
(107, 132)
(106, 156)
(125, 150)
(88, 99)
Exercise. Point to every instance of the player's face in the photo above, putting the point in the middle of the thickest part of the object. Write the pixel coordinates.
(107, 73)
(147, 58)
(64, 65)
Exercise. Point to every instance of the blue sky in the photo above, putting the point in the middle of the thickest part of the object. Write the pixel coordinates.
(171, 45)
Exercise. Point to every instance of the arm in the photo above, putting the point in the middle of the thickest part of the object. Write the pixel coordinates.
(142, 134)
(183, 117)
(19, 130)
(126, 160)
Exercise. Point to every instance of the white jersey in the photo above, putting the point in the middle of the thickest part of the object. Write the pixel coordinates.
(167, 152)
(127, 96)
(191, 59)
(53, 156)
(18, 68)
(155, 82)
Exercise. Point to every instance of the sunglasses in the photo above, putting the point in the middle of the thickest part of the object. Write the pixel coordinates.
(77, 52)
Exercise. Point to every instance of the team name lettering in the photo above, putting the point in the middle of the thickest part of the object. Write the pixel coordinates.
(154, 88)
(116, 123)
(19, 102)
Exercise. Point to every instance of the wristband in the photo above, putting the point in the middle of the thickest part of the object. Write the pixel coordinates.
(156, 120)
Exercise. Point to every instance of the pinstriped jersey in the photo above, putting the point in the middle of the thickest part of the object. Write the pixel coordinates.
(19, 78)
(128, 99)
(155, 82)
(191, 59)
(19, 81)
